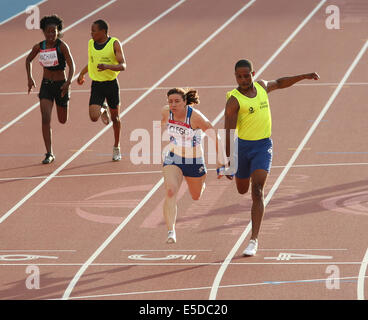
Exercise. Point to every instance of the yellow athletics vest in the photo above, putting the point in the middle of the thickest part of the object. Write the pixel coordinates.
(106, 56)
(254, 117)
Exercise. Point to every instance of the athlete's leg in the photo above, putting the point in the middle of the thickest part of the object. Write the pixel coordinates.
(242, 184)
(94, 112)
(258, 182)
(196, 186)
(116, 124)
(63, 114)
(173, 178)
(46, 110)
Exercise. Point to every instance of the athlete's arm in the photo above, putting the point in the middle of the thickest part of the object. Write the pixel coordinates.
(198, 120)
(30, 57)
(120, 58)
(286, 82)
(231, 117)
(70, 62)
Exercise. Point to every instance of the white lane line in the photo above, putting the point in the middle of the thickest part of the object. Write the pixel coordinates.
(177, 264)
(31, 250)
(99, 134)
(66, 29)
(12, 122)
(288, 166)
(362, 276)
(158, 184)
(160, 171)
(158, 250)
(317, 84)
(21, 12)
(304, 281)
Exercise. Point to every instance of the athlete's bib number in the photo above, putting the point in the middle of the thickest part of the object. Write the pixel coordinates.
(48, 57)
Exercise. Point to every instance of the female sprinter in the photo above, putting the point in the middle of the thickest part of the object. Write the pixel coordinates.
(184, 158)
(53, 54)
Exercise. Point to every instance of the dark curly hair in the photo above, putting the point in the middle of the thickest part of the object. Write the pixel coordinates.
(54, 20)
(189, 95)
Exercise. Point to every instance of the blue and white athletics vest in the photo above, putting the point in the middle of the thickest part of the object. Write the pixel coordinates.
(181, 133)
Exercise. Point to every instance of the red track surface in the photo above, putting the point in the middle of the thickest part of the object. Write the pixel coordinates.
(319, 208)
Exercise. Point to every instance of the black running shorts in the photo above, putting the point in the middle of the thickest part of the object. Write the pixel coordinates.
(50, 90)
(109, 90)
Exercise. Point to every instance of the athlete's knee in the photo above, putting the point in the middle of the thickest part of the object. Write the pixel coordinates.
(93, 117)
(171, 191)
(63, 120)
(115, 118)
(257, 191)
(243, 189)
(196, 196)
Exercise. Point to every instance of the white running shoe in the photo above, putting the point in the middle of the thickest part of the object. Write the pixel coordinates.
(116, 155)
(251, 250)
(171, 237)
(105, 115)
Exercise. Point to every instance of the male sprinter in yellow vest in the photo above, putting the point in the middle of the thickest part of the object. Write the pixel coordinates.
(105, 61)
(247, 110)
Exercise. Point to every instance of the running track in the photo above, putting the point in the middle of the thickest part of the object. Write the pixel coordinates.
(94, 228)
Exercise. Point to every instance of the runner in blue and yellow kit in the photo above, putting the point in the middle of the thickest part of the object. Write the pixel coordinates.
(248, 111)
(105, 61)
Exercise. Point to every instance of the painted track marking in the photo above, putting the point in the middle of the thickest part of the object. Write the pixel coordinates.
(362, 276)
(317, 84)
(303, 281)
(286, 169)
(319, 165)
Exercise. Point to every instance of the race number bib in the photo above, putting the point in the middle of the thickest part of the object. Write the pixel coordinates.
(48, 58)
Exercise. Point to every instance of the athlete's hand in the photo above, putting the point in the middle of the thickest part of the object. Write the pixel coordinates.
(312, 75)
(102, 67)
(224, 171)
(31, 84)
(80, 79)
(64, 88)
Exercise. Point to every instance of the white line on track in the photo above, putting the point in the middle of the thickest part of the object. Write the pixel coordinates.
(160, 264)
(316, 84)
(20, 13)
(362, 276)
(135, 34)
(175, 250)
(319, 165)
(304, 281)
(66, 29)
(288, 166)
(158, 184)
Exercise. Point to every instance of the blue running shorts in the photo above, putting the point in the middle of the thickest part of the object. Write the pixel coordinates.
(252, 155)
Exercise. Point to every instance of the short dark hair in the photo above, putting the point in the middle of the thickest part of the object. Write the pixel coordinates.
(102, 25)
(53, 19)
(244, 63)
